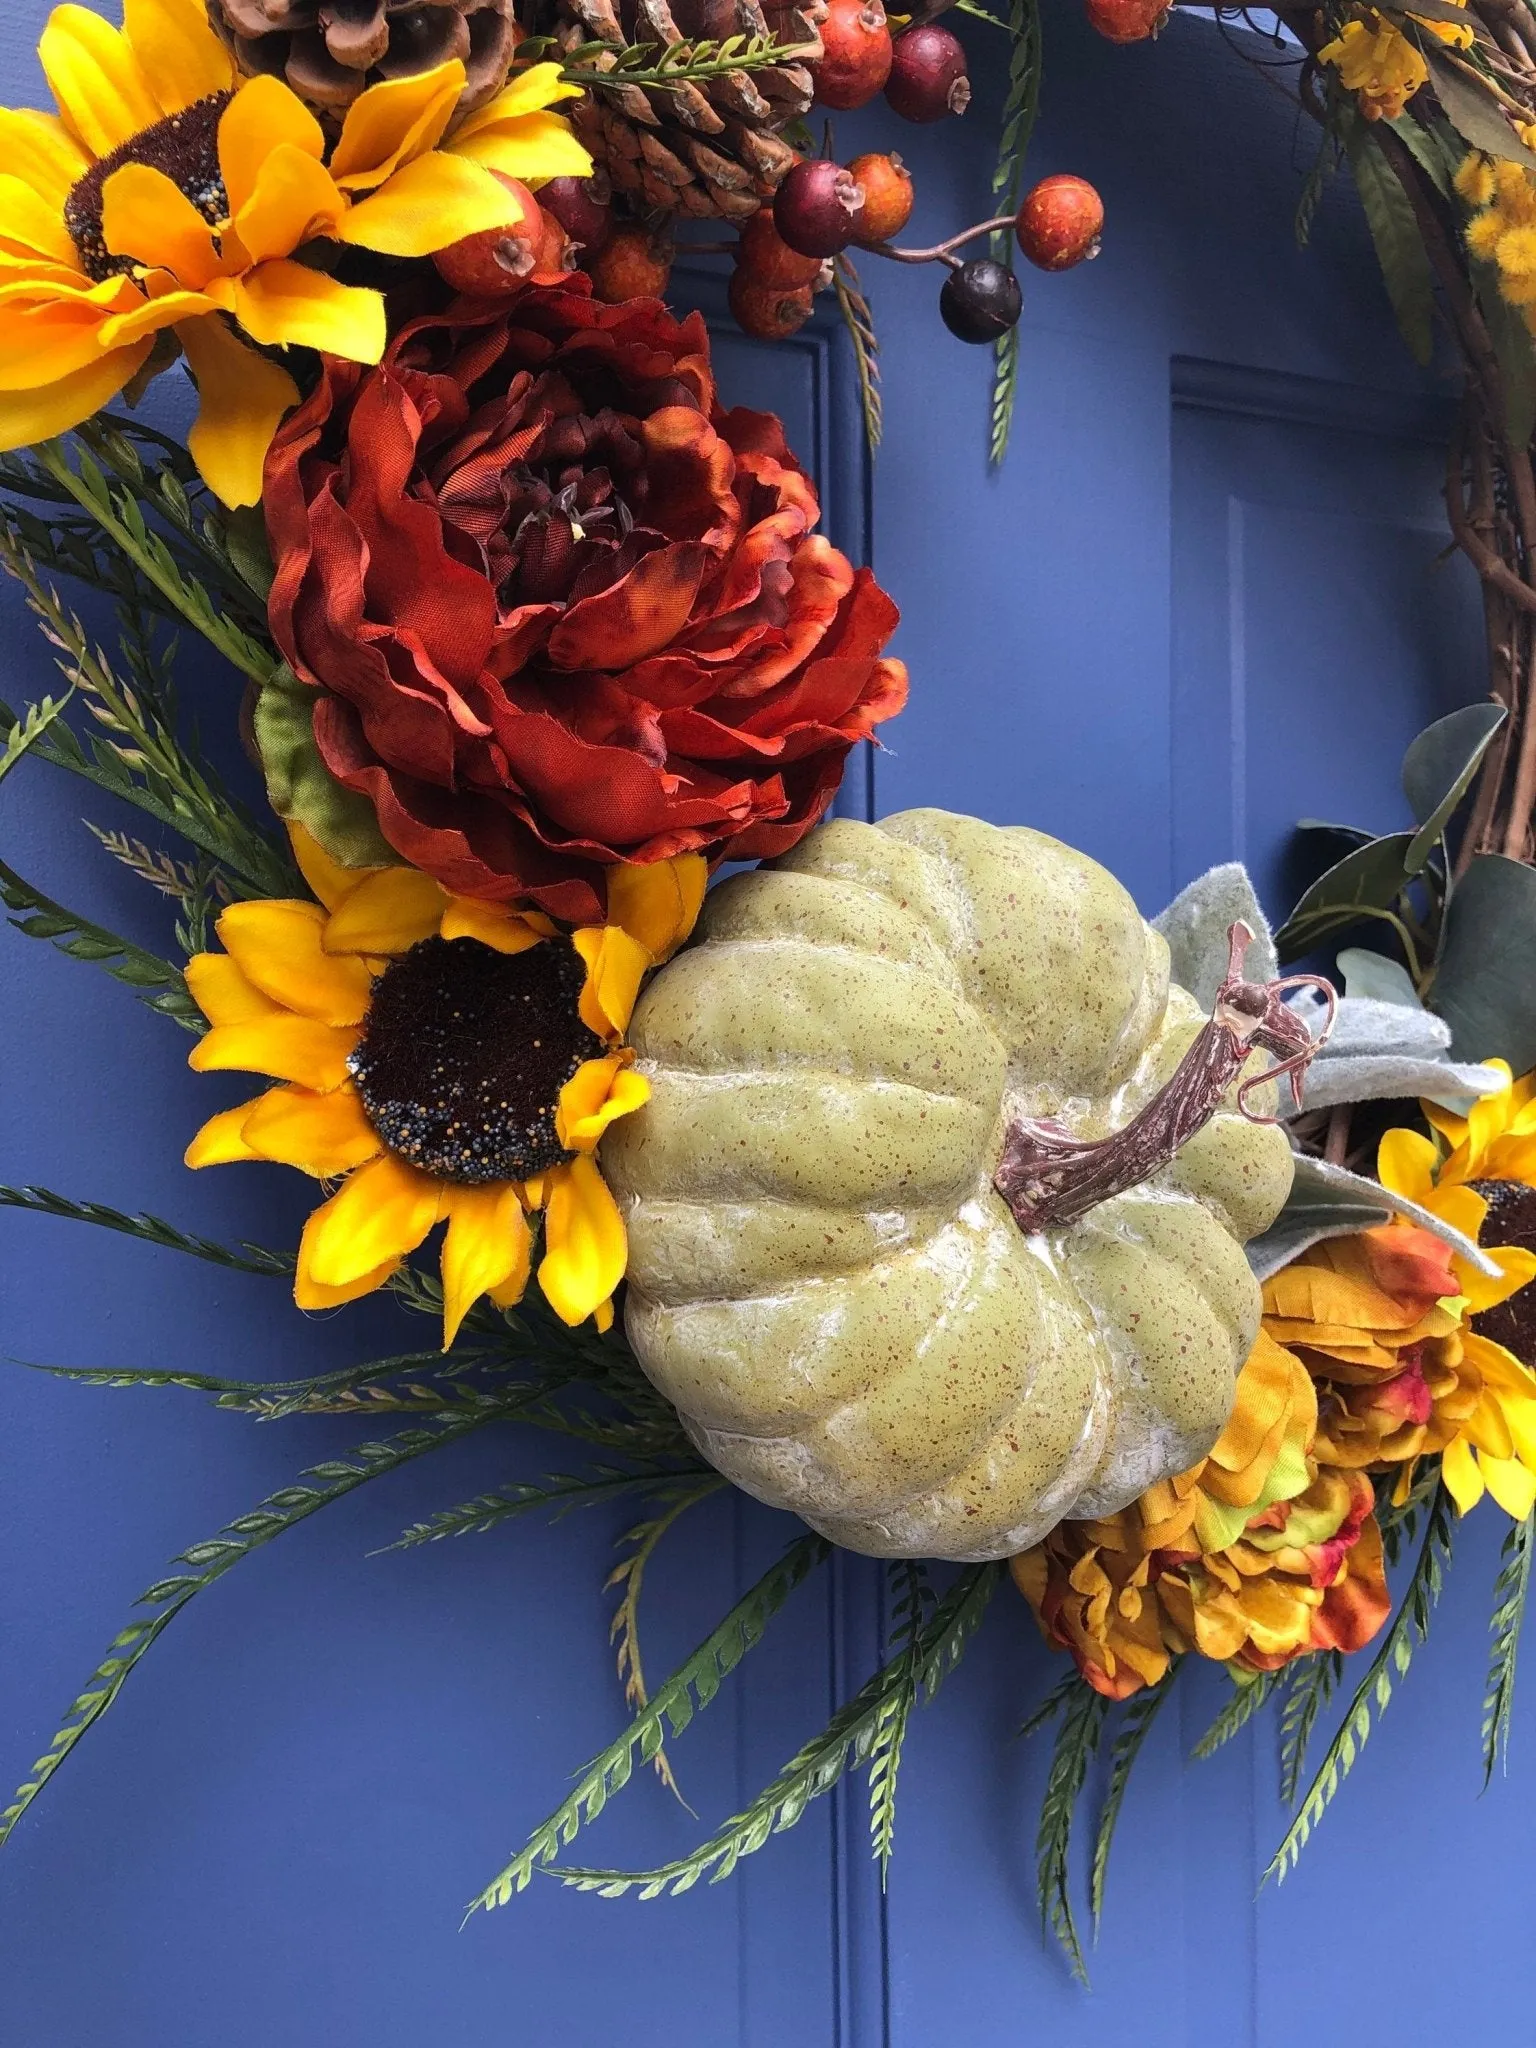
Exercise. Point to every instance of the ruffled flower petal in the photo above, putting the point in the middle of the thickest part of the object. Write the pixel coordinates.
(279, 947)
(487, 1250)
(293, 200)
(378, 1216)
(388, 911)
(263, 114)
(616, 966)
(659, 904)
(393, 122)
(598, 1094)
(323, 1135)
(241, 399)
(507, 931)
(428, 205)
(102, 93)
(287, 305)
(585, 1244)
(146, 215)
(283, 1047)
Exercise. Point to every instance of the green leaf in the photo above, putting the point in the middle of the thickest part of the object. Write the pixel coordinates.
(1141, 1711)
(1021, 102)
(1410, 1626)
(1486, 976)
(1432, 147)
(1471, 107)
(1514, 348)
(557, 1491)
(300, 786)
(910, 1609)
(1066, 1688)
(1400, 250)
(1247, 1696)
(1438, 769)
(209, 1561)
(1367, 879)
(1077, 1743)
(691, 1687)
(1310, 1685)
(849, 1737)
(29, 729)
(245, 541)
(159, 984)
(1509, 1595)
(250, 1258)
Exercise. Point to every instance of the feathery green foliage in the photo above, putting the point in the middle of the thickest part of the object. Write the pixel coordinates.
(912, 1600)
(860, 323)
(1141, 1711)
(1310, 1684)
(557, 1491)
(27, 730)
(848, 1738)
(1410, 1626)
(1509, 1596)
(690, 1688)
(1020, 106)
(613, 66)
(160, 985)
(1244, 1701)
(1065, 1688)
(1077, 1744)
(250, 1258)
(209, 1561)
(628, 1579)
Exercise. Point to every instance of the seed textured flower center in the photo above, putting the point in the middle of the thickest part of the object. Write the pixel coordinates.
(1511, 1219)
(464, 1053)
(185, 147)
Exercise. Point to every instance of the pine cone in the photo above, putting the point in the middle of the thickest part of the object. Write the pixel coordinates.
(708, 150)
(328, 50)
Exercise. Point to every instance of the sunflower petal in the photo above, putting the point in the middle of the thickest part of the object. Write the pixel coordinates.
(310, 1293)
(284, 304)
(293, 200)
(53, 408)
(42, 153)
(539, 86)
(284, 1047)
(241, 397)
(262, 114)
(468, 917)
(218, 986)
(388, 912)
(1517, 1268)
(616, 966)
(322, 1134)
(103, 95)
(389, 124)
(279, 946)
(428, 205)
(532, 148)
(596, 1095)
(1405, 1163)
(585, 1245)
(32, 226)
(487, 1247)
(659, 904)
(221, 1141)
(1463, 1481)
(1512, 1486)
(182, 59)
(331, 882)
(378, 1215)
(146, 215)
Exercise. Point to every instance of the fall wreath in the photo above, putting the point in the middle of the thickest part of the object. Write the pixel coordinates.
(909, 1180)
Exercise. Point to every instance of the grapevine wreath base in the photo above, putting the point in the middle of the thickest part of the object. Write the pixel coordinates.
(908, 1180)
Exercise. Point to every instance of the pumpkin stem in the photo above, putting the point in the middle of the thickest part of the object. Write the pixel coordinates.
(1048, 1178)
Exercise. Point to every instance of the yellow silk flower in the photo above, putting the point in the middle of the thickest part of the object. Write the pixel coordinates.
(169, 198)
(298, 995)
(1377, 62)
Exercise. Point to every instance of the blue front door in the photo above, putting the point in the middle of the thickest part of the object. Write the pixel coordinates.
(1204, 597)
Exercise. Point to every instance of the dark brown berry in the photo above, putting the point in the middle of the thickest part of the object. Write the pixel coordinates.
(856, 54)
(887, 187)
(763, 256)
(632, 264)
(770, 312)
(928, 77)
(816, 209)
(980, 300)
(581, 207)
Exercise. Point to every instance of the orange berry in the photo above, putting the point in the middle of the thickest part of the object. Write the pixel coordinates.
(887, 186)
(770, 312)
(856, 54)
(1060, 222)
(632, 264)
(764, 257)
(488, 264)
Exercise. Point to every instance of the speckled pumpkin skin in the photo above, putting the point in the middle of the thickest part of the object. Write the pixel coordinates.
(822, 1278)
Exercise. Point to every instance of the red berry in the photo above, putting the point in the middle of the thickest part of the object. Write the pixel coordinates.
(887, 187)
(769, 311)
(581, 207)
(1060, 222)
(816, 209)
(632, 264)
(763, 257)
(1128, 21)
(488, 264)
(928, 77)
(856, 54)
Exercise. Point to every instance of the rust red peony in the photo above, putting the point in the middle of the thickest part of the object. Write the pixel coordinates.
(558, 608)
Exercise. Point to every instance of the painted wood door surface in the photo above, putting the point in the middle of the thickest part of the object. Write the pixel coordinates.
(1204, 597)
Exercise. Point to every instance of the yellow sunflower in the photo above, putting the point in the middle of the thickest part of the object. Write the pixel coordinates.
(1494, 1447)
(448, 1061)
(168, 196)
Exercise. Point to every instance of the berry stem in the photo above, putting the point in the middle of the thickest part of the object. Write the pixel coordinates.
(940, 251)
(1049, 1179)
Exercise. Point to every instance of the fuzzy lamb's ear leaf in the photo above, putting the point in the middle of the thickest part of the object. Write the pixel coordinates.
(1487, 972)
(1196, 922)
(1388, 1051)
(1438, 769)
(1330, 1201)
(1374, 978)
(301, 788)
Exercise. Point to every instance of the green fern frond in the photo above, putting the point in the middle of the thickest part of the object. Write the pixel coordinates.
(1077, 1744)
(599, 66)
(628, 1579)
(159, 985)
(1020, 106)
(859, 320)
(1410, 1626)
(911, 1600)
(250, 1258)
(1509, 1596)
(208, 1562)
(282, 1397)
(1248, 1694)
(558, 1491)
(1066, 1688)
(689, 1689)
(27, 730)
(848, 1738)
(1311, 1682)
(1141, 1711)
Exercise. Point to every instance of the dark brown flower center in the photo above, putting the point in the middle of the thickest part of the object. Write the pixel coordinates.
(186, 147)
(464, 1053)
(1511, 1220)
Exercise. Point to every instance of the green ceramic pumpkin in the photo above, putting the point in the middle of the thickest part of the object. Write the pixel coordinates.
(822, 1278)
